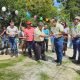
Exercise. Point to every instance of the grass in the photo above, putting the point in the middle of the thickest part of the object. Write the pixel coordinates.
(9, 75)
(67, 62)
(6, 74)
(28, 64)
(44, 76)
(10, 62)
(78, 77)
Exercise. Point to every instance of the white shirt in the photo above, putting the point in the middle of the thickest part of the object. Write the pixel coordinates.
(57, 29)
(66, 30)
(12, 31)
(37, 33)
(75, 31)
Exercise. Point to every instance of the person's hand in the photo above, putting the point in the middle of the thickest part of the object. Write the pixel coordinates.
(42, 35)
(12, 34)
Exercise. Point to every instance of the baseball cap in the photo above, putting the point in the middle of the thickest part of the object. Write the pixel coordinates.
(77, 17)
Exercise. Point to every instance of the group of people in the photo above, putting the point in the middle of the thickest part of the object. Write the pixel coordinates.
(36, 39)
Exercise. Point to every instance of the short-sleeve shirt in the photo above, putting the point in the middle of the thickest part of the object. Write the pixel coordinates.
(57, 29)
(75, 31)
(29, 32)
(12, 31)
(46, 31)
(37, 34)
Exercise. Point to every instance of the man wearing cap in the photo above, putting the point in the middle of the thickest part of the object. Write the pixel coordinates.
(39, 42)
(12, 31)
(57, 32)
(75, 34)
(29, 34)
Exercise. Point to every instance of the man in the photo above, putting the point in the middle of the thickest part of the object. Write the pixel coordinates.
(46, 31)
(57, 31)
(12, 31)
(29, 34)
(39, 42)
(75, 34)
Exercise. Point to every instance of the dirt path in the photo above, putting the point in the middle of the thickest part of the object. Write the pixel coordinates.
(47, 70)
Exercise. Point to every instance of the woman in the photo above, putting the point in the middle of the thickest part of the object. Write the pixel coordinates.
(66, 31)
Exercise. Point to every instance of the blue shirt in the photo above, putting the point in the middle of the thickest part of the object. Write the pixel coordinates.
(46, 31)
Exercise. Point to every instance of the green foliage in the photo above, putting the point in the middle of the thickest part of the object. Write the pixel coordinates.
(41, 7)
(11, 6)
(72, 8)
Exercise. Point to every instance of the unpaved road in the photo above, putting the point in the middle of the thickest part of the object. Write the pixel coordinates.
(47, 70)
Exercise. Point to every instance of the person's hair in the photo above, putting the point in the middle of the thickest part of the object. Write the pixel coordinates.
(54, 20)
(23, 24)
(40, 24)
(64, 23)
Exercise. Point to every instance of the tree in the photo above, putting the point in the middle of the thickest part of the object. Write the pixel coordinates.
(11, 6)
(72, 7)
(41, 7)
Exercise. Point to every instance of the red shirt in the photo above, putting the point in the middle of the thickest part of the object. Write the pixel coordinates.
(29, 33)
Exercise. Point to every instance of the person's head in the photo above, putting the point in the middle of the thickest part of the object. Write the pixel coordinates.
(40, 25)
(11, 24)
(64, 24)
(45, 26)
(53, 22)
(22, 28)
(28, 24)
(76, 20)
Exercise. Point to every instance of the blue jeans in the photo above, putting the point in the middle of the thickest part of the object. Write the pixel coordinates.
(76, 47)
(58, 42)
(52, 43)
(4, 43)
(13, 45)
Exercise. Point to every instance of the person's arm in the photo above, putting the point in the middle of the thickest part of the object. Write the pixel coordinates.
(78, 34)
(61, 31)
(51, 32)
(16, 33)
(2, 33)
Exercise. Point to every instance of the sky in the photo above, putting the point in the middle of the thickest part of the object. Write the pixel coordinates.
(56, 4)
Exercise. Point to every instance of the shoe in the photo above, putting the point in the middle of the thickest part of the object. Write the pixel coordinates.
(77, 62)
(16, 55)
(2, 53)
(11, 54)
(30, 56)
(71, 58)
(56, 60)
(58, 64)
(44, 59)
(53, 51)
